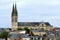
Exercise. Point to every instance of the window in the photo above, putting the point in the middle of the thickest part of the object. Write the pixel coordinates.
(42, 25)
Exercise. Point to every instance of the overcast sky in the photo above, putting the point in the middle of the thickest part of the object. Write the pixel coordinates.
(30, 11)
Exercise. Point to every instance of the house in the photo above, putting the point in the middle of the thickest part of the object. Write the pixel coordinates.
(39, 32)
(18, 36)
(14, 36)
(25, 36)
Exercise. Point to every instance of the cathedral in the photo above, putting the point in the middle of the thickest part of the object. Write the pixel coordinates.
(30, 25)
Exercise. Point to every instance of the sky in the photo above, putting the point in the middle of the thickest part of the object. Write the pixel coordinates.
(30, 11)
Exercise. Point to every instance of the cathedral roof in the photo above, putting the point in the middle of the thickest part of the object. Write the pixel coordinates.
(32, 23)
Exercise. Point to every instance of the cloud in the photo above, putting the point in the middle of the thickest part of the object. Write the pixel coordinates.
(22, 3)
(36, 10)
(43, 2)
(6, 4)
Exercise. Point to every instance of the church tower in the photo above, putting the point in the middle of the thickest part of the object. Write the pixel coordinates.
(14, 18)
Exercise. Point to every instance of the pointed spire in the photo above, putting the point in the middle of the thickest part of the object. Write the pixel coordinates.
(15, 7)
(14, 10)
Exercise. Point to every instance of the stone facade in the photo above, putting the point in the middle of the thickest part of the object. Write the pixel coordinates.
(14, 18)
(30, 25)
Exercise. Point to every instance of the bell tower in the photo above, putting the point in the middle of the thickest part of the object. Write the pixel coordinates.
(14, 17)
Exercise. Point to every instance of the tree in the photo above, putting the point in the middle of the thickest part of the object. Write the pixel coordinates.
(27, 30)
(4, 35)
(31, 33)
(19, 29)
(9, 29)
(44, 35)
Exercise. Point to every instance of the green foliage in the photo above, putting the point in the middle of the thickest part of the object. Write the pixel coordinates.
(27, 30)
(4, 35)
(44, 35)
(19, 29)
(32, 34)
(9, 28)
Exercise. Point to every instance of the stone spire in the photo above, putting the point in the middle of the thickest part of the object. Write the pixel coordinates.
(14, 10)
(14, 17)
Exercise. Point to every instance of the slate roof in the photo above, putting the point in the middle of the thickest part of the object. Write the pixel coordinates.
(14, 36)
(32, 23)
(27, 36)
(24, 36)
